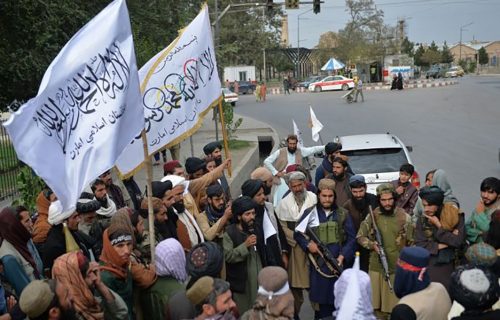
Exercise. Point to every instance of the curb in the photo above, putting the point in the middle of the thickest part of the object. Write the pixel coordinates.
(419, 84)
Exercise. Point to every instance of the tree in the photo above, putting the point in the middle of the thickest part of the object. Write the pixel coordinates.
(418, 57)
(431, 57)
(446, 56)
(407, 47)
(483, 56)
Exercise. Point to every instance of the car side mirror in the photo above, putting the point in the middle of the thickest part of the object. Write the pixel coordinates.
(409, 148)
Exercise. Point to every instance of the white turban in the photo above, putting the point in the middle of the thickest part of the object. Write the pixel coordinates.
(56, 214)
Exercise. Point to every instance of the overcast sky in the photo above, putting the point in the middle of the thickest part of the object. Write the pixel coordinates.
(426, 20)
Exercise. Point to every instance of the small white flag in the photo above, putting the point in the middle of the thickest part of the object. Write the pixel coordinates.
(352, 297)
(298, 133)
(87, 110)
(316, 126)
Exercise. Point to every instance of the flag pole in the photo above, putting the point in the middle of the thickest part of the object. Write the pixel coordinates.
(224, 137)
(149, 175)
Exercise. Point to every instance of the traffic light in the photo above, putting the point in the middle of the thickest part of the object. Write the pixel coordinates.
(316, 6)
(269, 5)
(292, 4)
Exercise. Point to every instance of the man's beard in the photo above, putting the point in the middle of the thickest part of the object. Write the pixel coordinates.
(219, 211)
(103, 201)
(249, 227)
(300, 197)
(488, 202)
(359, 204)
(387, 212)
(218, 161)
(267, 189)
(292, 151)
(179, 206)
(338, 176)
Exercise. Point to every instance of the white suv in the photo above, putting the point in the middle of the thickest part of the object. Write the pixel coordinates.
(377, 157)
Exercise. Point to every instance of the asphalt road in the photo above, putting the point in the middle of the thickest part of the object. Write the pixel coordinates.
(455, 128)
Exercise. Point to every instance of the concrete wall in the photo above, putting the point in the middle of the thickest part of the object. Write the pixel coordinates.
(242, 171)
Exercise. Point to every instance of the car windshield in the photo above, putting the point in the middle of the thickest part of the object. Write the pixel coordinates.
(376, 160)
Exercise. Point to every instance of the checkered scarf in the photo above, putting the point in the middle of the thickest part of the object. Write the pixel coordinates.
(171, 260)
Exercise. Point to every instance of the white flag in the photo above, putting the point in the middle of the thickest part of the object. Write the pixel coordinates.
(298, 133)
(352, 298)
(87, 109)
(179, 85)
(316, 126)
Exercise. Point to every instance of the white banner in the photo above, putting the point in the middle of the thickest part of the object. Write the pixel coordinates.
(179, 86)
(298, 133)
(316, 126)
(87, 109)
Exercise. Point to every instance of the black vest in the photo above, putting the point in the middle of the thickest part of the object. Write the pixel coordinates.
(236, 273)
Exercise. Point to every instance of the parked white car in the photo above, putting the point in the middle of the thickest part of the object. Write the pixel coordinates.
(377, 157)
(230, 96)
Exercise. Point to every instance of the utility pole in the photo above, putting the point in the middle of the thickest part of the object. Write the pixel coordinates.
(461, 30)
(298, 41)
(264, 59)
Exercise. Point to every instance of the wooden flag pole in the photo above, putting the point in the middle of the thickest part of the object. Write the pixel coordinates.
(149, 175)
(224, 137)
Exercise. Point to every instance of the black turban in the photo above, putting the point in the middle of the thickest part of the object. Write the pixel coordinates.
(194, 164)
(433, 195)
(159, 188)
(214, 190)
(204, 259)
(332, 147)
(251, 187)
(209, 148)
(87, 206)
(242, 205)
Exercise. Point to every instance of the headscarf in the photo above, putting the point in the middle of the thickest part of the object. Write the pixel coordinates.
(251, 187)
(385, 188)
(481, 255)
(12, 230)
(204, 259)
(159, 188)
(194, 164)
(175, 180)
(411, 271)
(56, 214)
(332, 147)
(364, 309)
(170, 260)
(112, 261)
(67, 271)
(474, 288)
(210, 147)
(261, 173)
(170, 166)
(433, 195)
(242, 205)
(122, 220)
(440, 180)
(41, 226)
(87, 205)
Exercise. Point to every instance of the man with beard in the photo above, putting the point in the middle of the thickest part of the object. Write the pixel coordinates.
(396, 230)
(289, 211)
(242, 260)
(358, 207)
(334, 228)
(407, 194)
(188, 232)
(341, 177)
(271, 241)
(114, 191)
(479, 222)
(216, 215)
(332, 150)
(212, 298)
(214, 150)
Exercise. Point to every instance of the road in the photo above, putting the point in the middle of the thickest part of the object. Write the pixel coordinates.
(455, 128)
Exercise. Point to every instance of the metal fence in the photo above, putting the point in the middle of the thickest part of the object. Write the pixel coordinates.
(9, 166)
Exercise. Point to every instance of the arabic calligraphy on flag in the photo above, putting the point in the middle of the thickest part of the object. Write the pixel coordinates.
(87, 109)
(179, 85)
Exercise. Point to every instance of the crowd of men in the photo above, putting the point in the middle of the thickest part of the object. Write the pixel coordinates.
(253, 255)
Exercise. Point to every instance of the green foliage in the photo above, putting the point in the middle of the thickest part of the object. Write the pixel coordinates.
(472, 67)
(483, 56)
(29, 186)
(229, 121)
(446, 56)
(463, 64)
(418, 57)
(407, 47)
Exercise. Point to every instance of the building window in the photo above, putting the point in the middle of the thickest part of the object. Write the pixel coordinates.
(494, 60)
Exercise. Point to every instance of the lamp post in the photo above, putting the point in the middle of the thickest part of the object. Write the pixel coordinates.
(461, 30)
(298, 40)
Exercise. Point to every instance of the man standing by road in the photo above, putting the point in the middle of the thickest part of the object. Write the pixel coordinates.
(358, 207)
(479, 222)
(358, 86)
(289, 211)
(334, 228)
(396, 230)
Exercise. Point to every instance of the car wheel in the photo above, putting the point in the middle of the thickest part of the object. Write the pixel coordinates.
(345, 87)
(317, 89)
(233, 103)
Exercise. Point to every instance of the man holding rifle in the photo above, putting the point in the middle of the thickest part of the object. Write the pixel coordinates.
(326, 233)
(394, 231)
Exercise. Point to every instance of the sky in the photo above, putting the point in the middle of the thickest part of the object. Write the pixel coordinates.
(426, 20)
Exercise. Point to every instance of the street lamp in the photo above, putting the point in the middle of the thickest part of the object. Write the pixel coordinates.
(461, 30)
(298, 40)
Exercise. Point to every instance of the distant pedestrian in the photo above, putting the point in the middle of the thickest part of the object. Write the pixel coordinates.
(228, 84)
(236, 87)
(400, 81)
(257, 93)
(359, 90)
(263, 91)
(286, 86)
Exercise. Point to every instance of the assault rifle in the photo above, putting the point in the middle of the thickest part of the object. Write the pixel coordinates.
(381, 252)
(324, 257)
